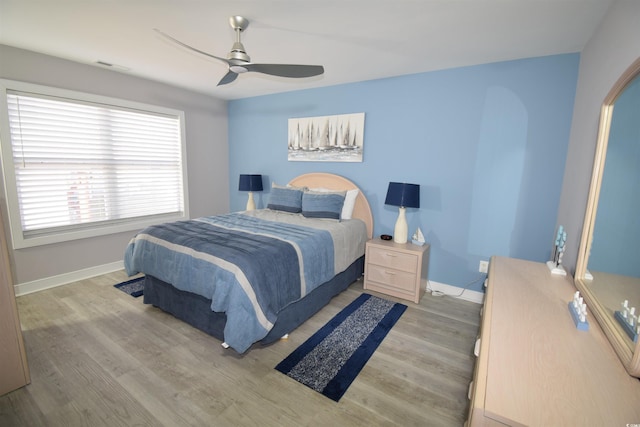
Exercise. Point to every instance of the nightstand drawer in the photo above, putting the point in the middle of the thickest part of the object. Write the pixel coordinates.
(391, 277)
(394, 259)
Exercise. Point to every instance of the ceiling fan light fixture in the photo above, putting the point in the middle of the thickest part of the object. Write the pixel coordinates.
(238, 69)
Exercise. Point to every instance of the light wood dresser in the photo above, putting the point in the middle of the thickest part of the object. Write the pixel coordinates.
(534, 367)
(14, 371)
(396, 269)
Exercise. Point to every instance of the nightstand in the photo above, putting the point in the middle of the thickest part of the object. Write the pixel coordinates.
(396, 269)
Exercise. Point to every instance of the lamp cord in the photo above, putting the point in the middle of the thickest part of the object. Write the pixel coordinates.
(466, 287)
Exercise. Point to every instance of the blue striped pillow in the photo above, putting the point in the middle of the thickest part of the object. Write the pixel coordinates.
(322, 205)
(288, 199)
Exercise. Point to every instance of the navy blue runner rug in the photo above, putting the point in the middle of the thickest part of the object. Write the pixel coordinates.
(332, 358)
(133, 287)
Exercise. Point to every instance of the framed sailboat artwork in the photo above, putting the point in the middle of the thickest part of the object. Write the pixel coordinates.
(338, 138)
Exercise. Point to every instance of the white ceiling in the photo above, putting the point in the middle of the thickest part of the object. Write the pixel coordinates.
(354, 40)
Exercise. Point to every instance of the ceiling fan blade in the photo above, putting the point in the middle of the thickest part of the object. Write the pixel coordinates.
(228, 78)
(226, 61)
(286, 70)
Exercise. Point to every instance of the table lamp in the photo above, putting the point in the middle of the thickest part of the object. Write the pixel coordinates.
(250, 183)
(404, 196)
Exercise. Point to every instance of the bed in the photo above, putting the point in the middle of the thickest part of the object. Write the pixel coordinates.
(254, 276)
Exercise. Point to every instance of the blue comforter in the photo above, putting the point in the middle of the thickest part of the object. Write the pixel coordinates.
(249, 267)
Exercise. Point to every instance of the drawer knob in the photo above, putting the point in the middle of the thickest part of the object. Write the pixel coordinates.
(476, 349)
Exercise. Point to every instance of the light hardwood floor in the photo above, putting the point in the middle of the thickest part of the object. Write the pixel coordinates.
(99, 357)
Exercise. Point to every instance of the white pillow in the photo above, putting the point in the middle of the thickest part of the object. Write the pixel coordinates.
(349, 201)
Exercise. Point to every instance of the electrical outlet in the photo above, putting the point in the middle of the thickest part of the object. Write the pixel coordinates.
(483, 267)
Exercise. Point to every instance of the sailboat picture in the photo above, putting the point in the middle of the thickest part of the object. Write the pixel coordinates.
(338, 138)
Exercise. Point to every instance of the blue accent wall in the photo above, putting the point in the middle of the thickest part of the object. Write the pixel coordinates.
(486, 143)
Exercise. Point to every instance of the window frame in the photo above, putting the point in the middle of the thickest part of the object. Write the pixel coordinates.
(82, 231)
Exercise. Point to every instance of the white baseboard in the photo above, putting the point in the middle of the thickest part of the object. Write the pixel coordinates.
(66, 278)
(454, 291)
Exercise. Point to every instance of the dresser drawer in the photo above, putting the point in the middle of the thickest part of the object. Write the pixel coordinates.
(391, 277)
(394, 259)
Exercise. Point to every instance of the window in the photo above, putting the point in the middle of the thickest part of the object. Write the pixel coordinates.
(77, 165)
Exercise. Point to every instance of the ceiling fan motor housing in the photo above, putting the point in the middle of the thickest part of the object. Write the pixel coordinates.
(238, 52)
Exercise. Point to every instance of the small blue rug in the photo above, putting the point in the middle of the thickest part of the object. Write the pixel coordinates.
(133, 287)
(332, 358)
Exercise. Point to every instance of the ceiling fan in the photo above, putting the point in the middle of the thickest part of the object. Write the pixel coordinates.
(239, 62)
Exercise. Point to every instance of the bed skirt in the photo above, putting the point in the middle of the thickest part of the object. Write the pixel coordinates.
(196, 310)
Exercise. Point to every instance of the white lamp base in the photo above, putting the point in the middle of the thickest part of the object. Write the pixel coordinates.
(251, 205)
(401, 230)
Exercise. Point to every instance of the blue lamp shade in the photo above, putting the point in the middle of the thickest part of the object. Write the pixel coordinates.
(403, 195)
(250, 183)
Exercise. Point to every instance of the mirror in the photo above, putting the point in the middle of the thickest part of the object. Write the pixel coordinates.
(608, 267)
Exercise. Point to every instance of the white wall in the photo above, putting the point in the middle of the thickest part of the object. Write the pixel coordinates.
(612, 48)
(207, 154)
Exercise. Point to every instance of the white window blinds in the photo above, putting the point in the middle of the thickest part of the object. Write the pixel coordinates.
(81, 165)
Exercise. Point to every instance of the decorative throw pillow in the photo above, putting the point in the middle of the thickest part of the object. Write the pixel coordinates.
(322, 205)
(349, 201)
(287, 199)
